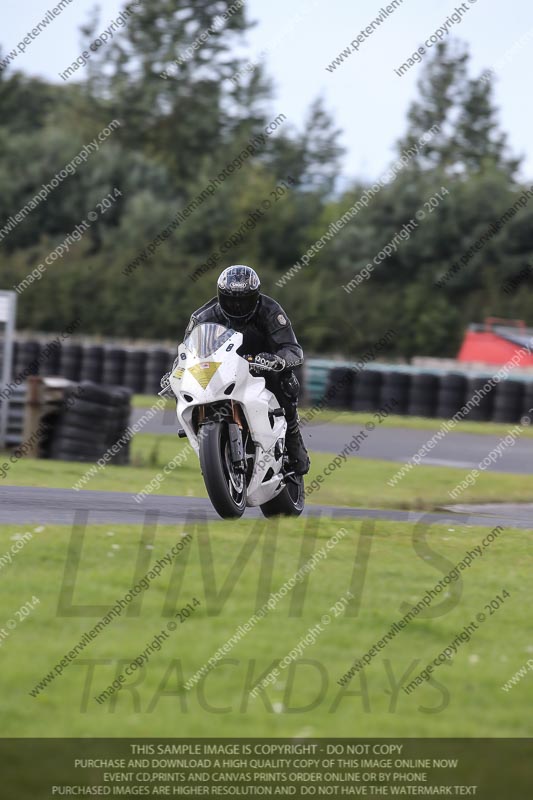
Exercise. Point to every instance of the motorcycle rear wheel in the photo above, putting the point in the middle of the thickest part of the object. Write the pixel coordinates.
(289, 502)
(225, 487)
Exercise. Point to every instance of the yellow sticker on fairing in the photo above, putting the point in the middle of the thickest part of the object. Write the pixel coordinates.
(204, 372)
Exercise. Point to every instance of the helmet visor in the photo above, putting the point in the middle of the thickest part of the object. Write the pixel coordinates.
(238, 306)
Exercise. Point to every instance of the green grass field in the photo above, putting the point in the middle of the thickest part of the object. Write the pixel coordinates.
(231, 567)
(464, 699)
(359, 483)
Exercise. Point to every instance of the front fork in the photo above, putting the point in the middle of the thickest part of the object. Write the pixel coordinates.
(236, 444)
(235, 431)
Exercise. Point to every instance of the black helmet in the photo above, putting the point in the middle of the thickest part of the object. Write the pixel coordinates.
(238, 293)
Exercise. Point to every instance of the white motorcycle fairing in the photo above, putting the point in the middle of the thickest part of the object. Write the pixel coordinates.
(201, 378)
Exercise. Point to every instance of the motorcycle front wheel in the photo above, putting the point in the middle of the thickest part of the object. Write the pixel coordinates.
(225, 487)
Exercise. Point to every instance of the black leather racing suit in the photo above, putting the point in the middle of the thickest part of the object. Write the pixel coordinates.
(269, 331)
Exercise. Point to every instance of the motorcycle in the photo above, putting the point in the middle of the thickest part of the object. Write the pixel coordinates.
(235, 425)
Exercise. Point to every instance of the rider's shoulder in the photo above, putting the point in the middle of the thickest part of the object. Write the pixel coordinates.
(270, 309)
(207, 312)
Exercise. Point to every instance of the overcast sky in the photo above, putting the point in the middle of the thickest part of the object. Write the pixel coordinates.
(368, 100)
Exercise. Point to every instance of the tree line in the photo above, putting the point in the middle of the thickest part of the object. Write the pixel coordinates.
(200, 177)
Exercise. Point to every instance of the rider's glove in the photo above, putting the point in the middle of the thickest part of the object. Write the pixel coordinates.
(270, 360)
(165, 380)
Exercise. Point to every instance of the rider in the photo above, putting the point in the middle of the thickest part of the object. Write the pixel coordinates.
(269, 337)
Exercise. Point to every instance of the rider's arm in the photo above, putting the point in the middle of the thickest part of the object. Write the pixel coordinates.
(192, 324)
(206, 313)
(284, 342)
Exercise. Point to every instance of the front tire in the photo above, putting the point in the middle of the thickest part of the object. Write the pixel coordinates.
(225, 487)
(289, 502)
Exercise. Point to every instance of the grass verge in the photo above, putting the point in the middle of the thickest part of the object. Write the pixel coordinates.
(231, 568)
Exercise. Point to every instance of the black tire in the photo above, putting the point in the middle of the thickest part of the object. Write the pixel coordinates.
(339, 388)
(106, 395)
(50, 364)
(91, 371)
(454, 381)
(64, 430)
(289, 502)
(452, 394)
(89, 409)
(27, 359)
(366, 390)
(15, 356)
(90, 423)
(135, 370)
(67, 436)
(527, 404)
(482, 411)
(70, 365)
(157, 363)
(395, 392)
(508, 401)
(134, 381)
(92, 363)
(113, 366)
(214, 451)
(423, 395)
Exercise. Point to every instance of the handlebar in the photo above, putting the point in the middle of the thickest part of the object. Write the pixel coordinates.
(255, 366)
(166, 391)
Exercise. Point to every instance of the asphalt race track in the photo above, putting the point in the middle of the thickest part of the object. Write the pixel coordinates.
(31, 505)
(28, 505)
(463, 450)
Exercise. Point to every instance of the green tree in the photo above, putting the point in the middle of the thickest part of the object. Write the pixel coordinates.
(461, 111)
(167, 77)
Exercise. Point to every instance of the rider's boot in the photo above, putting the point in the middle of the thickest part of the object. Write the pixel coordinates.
(296, 450)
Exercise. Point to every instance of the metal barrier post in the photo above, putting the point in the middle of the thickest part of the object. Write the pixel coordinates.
(8, 306)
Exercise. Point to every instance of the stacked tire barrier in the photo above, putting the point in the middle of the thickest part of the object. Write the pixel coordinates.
(423, 394)
(410, 390)
(90, 424)
(137, 369)
(427, 394)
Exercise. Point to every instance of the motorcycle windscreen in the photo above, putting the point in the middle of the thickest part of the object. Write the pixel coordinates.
(206, 338)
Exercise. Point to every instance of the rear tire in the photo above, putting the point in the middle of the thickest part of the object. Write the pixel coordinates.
(226, 489)
(289, 502)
